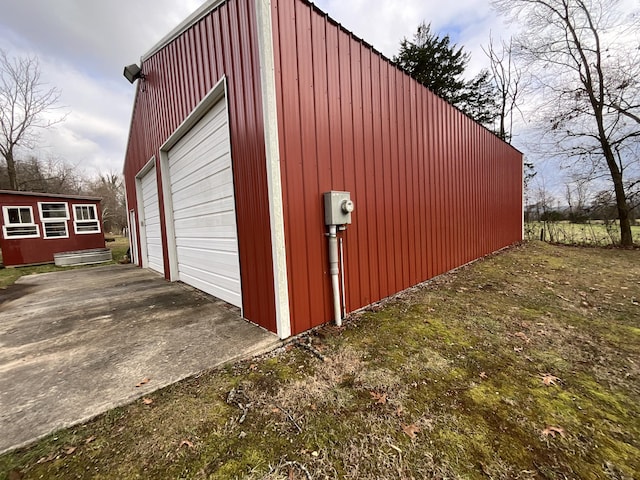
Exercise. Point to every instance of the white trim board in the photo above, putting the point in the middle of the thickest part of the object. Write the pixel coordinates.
(274, 180)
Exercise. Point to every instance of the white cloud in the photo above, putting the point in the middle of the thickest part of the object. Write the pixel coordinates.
(385, 23)
(82, 48)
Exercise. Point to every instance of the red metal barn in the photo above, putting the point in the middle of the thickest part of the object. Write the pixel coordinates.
(249, 112)
(35, 226)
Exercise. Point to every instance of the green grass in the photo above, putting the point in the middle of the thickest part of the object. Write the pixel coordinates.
(443, 381)
(8, 276)
(595, 233)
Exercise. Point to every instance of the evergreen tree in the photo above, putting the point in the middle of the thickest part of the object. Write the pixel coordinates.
(440, 65)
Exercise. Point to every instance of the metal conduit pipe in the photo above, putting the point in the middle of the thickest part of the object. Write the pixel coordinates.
(334, 272)
(337, 215)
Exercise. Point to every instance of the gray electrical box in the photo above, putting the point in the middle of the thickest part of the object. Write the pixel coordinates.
(337, 208)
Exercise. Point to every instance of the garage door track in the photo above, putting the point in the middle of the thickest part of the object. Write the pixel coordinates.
(74, 344)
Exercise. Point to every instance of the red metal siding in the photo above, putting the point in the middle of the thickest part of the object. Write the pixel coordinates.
(433, 190)
(26, 251)
(177, 78)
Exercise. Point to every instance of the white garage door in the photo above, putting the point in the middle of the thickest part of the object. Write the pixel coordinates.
(204, 208)
(151, 220)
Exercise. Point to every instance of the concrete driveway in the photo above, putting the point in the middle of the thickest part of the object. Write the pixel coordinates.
(74, 344)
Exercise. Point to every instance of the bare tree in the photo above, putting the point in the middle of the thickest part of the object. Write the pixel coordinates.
(24, 101)
(110, 187)
(577, 195)
(51, 175)
(623, 94)
(574, 49)
(508, 80)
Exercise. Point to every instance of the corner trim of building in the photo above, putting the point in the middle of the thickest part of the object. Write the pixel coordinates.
(274, 179)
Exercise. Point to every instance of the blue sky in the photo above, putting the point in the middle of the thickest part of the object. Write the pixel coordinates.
(83, 46)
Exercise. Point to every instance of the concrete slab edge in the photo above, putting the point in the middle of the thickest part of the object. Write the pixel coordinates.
(260, 348)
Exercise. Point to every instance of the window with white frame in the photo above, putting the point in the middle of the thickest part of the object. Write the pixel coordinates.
(85, 219)
(18, 223)
(54, 216)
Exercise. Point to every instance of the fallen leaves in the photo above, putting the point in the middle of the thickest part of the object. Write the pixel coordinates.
(186, 443)
(411, 430)
(142, 382)
(550, 430)
(48, 458)
(147, 400)
(54, 455)
(381, 398)
(549, 379)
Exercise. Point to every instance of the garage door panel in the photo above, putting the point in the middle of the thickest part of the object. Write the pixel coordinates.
(154, 253)
(223, 263)
(220, 218)
(219, 194)
(151, 221)
(227, 231)
(219, 278)
(210, 151)
(216, 205)
(220, 244)
(213, 123)
(204, 219)
(215, 166)
(214, 286)
(154, 218)
(201, 184)
(193, 153)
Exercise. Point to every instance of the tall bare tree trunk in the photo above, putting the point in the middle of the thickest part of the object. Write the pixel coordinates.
(571, 42)
(11, 170)
(626, 238)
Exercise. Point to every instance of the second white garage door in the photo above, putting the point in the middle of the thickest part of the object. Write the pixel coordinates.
(204, 214)
(151, 221)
